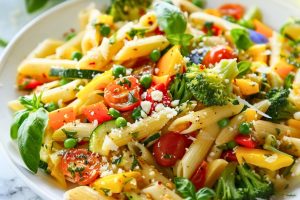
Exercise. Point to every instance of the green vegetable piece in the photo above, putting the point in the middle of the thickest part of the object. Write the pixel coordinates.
(136, 113)
(76, 56)
(205, 194)
(114, 113)
(74, 73)
(185, 188)
(34, 5)
(244, 128)
(155, 55)
(104, 30)
(70, 143)
(231, 144)
(243, 67)
(223, 122)
(151, 139)
(64, 81)
(18, 119)
(170, 18)
(30, 137)
(253, 13)
(199, 3)
(51, 106)
(69, 36)
(241, 38)
(288, 81)
(31, 103)
(118, 71)
(146, 80)
(3, 43)
(121, 122)
(246, 24)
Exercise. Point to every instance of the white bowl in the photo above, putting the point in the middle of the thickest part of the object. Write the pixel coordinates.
(52, 24)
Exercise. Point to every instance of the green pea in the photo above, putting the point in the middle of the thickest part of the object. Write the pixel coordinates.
(76, 56)
(70, 143)
(114, 113)
(118, 70)
(104, 30)
(223, 122)
(121, 122)
(231, 144)
(146, 80)
(136, 113)
(51, 106)
(155, 55)
(244, 128)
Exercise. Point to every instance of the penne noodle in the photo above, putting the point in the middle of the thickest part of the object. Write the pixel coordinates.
(159, 191)
(214, 171)
(45, 48)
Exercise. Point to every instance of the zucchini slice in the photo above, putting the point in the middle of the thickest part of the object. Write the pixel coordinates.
(74, 73)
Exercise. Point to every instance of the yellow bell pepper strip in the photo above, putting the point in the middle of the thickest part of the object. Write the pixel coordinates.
(262, 158)
(171, 62)
(250, 115)
(247, 87)
(258, 53)
(116, 183)
(99, 82)
(294, 123)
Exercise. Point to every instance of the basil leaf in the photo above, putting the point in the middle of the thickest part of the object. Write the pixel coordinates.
(185, 188)
(3, 43)
(288, 81)
(18, 119)
(30, 136)
(243, 67)
(241, 38)
(34, 5)
(180, 39)
(205, 194)
(170, 18)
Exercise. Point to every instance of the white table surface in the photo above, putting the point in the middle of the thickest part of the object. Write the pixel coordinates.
(12, 18)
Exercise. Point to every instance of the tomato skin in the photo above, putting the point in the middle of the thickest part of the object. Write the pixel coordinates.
(29, 84)
(214, 30)
(216, 54)
(87, 163)
(229, 155)
(118, 93)
(169, 148)
(98, 112)
(245, 141)
(198, 178)
(235, 10)
(166, 100)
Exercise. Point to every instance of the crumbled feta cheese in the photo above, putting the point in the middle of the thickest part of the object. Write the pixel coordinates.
(175, 103)
(159, 107)
(144, 95)
(186, 59)
(92, 113)
(95, 123)
(151, 173)
(128, 71)
(120, 171)
(271, 158)
(157, 95)
(146, 106)
(156, 70)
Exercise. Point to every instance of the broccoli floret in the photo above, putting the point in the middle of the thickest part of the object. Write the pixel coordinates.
(213, 86)
(239, 182)
(281, 108)
(126, 10)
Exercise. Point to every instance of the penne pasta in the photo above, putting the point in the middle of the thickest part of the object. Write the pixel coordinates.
(45, 48)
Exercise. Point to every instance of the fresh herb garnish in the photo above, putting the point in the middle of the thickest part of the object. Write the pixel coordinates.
(243, 67)
(34, 5)
(241, 38)
(3, 43)
(117, 161)
(134, 164)
(288, 81)
(136, 32)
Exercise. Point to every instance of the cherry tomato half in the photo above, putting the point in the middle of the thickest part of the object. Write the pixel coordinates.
(80, 166)
(212, 29)
(123, 94)
(229, 155)
(29, 84)
(169, 148)
(198, 178)
(216, 54)
(235, 10)
(245, 141)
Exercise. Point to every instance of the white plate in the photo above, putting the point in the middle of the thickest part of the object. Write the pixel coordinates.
(53, 24)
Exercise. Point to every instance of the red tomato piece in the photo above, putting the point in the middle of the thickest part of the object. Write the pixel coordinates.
(212, 30)
(97, 111)
(80, 166)
(166, 99)
(235, 10)
(229, 155)
(123, 94)
(29, 84)
(169, 148)
(198, 178)
(216, 54)
(245, 141)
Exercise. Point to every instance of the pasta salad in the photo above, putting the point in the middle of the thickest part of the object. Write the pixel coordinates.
(163, 100)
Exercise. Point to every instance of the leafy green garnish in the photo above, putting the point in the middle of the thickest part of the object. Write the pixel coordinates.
(34, 5)
(173, 22)
(188, 191)
(243, 67)
(241, 38)
(140, 32)
(31, 103)
(3, 43)
(288, 81)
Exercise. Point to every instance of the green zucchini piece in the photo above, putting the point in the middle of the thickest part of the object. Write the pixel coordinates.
(98, 135)
(74, 73)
